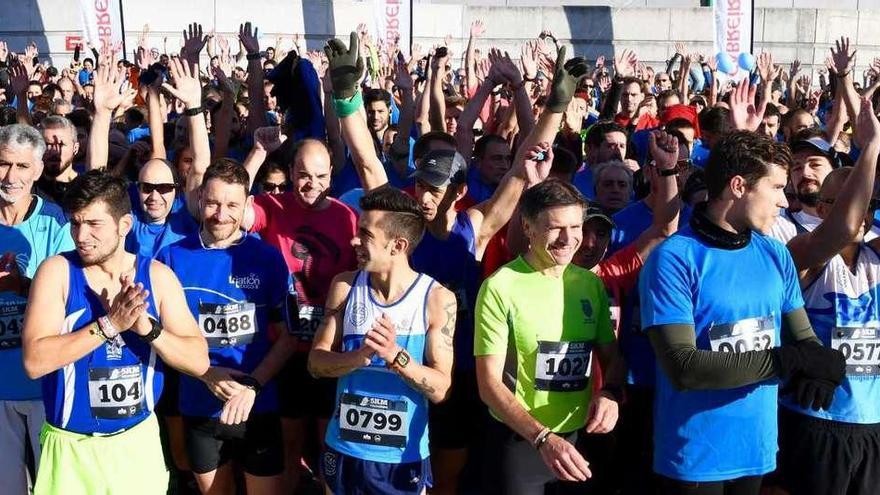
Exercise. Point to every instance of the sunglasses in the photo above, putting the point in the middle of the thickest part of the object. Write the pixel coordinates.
(163, 188)
(272, 187)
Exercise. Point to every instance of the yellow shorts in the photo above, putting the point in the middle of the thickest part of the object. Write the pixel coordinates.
(130, 462)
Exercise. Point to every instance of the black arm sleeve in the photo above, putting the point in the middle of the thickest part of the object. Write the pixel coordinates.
(689, 368)
(612, 99)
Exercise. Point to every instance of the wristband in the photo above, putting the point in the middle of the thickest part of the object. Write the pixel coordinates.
(254, 56)
(250, 382)
(841, 76)
(105, 326)
(192, 112)
(346, 107)
(541, 439)
(95, 330)
(155, 331)
(669, 172)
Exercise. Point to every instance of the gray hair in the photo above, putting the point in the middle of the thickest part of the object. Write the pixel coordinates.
(59, 122)
(20, 135)
(599, 169)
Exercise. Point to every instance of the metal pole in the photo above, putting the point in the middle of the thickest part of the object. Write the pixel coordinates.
(122, 27)
(410, 26)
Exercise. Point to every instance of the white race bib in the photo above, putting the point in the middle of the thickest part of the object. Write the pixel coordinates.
(563, 366)
(373, 420)
(117, 392)
(310, 318)
(860, 347)
(752, 334)
(227, 325)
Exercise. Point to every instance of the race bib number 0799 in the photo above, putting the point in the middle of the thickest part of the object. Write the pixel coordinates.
(373, 420)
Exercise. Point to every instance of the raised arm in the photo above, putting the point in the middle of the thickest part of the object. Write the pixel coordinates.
(400, 146)
(843, 59)
(346, 68)
(256, 106)
(106, 98)
(156, 120)
(437, 112)
(223, 117)
(812, 250)
(266, 140)
(18, 82)
(664, 150)
(470, 60)
(528, 167)
(188, 90)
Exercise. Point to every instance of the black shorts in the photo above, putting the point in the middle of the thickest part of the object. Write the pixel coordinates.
(634, 455)
(515, 467)
(460, 420)
(748, 485)
(346, 474)
(818, 456)
(300, 395)
(256, 445)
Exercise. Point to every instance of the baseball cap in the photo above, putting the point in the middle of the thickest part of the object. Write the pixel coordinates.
(596, 211)
(440, 168)
(818, 146)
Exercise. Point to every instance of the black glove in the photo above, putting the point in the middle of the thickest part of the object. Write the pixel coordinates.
(346, 66)
(811, 392)
(811, 359)
(566, 78)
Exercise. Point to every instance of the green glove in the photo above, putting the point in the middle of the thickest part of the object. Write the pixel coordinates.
(346, 66)
(566, 79)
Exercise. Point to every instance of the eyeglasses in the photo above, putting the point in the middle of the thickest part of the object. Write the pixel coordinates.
(272, 187)
(163, 188)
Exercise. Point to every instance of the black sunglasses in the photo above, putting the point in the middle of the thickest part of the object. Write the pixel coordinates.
(163, 188)
(272, 187)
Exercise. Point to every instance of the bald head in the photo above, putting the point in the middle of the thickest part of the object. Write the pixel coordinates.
(834, 182)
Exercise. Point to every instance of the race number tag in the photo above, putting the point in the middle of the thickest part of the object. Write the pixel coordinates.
(563, 366)
(227, 325)
(11, 323)
(310, 318)
(116, 393)
(373, 420)
(753, 334)
(860, 347)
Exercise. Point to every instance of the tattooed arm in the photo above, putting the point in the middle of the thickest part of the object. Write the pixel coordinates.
(434, 377)
(325, 359)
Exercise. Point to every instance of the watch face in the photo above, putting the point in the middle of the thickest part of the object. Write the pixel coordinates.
(402, 359)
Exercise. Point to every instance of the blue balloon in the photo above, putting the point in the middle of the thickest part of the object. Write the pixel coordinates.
(747, 61)
(725, 63)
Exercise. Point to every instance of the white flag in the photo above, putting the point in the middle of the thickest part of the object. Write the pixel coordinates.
(392, 19)
(102, 22)
(733, 31)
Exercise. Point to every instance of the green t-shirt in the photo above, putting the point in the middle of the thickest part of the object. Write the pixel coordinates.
(546, 327)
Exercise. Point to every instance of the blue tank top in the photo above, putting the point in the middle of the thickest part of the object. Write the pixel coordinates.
(844, 310)
(117, 385)
(453, 263)
(231, 302)
(378, 416)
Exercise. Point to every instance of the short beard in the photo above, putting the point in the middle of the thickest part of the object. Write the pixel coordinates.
(53, 173)
(810, 199)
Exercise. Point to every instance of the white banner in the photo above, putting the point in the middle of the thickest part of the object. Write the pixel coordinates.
(101, 22)
(733, 31)
(392, 19)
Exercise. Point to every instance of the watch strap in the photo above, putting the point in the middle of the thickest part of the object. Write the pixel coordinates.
(155, 331)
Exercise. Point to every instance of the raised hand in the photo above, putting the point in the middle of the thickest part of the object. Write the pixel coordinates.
(600, 61)
(107, 82)
(680, 48)
(269, 138)
(566, 79)
(248, 38)
(529, 58)
(186, 86)
(664, 149)
(503, 68)
(743, 113)
(477, 29)
(537, 163)
(402, 79)
(842, 57)
(867, 126)
(193, 42)
(625, 63)
(18, 79)
(484, 66)
(766, 69)
(226, 85)
(795, 69)
(346, 66)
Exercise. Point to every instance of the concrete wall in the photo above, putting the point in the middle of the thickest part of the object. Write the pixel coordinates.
(803, 33)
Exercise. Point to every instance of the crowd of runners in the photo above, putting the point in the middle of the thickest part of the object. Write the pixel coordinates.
(376, 269)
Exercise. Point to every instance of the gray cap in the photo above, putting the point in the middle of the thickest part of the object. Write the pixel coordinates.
(595, 211)
(440, 168)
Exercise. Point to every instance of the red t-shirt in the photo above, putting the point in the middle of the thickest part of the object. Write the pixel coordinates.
(316, 244)
(620, 274)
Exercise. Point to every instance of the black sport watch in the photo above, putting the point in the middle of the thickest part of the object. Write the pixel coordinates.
(155, 331)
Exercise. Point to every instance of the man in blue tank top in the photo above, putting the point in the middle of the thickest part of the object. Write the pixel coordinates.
(31, 230)
(455, 241)
(100, 327)
(236, 287)
(837, 450)
(717, 302)
(388, 335)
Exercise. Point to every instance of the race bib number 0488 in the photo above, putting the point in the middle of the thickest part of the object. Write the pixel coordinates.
(753, 334)
(227, 325)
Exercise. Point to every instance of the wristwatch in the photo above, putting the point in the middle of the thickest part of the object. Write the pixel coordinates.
(401, 360)
(155, 331)
(669, 172)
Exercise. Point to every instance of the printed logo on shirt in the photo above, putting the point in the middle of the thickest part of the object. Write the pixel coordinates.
(587, 308)
(114, 348)
(358, 315)
(249, 281)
